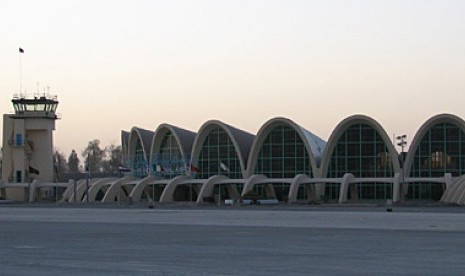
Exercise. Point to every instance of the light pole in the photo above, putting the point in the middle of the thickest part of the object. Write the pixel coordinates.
(402, 142)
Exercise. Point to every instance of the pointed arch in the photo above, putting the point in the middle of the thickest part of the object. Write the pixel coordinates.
(438, 148)
(139, 145)
(221, 149)
(360, 146)
(170, 151)
(311, 144)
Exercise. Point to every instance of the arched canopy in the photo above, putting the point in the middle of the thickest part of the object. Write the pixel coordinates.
(139, 144)
(437, 148)
(221, 149)
(170, 150)
(293, 149)
(359, 145)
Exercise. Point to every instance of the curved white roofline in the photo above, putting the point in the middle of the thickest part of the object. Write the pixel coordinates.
(160, 133)
(343, 126)
(436, 119)
(202, 134)
(312, 143)
(142, 135)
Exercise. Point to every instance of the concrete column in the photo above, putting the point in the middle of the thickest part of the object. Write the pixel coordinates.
(396, 188)
(344, 188)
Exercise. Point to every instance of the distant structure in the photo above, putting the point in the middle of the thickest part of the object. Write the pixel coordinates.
(28, 144)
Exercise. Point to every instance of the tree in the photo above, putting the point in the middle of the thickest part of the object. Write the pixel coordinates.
(60, 163)
(73, 162)
(93, 156)
(115, 154)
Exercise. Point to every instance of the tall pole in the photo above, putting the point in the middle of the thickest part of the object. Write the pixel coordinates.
(21, 51)
(88, 177)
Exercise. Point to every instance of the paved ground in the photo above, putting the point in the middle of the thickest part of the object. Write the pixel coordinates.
(59, 240)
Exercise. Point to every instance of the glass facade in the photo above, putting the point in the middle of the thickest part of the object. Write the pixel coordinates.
(218, 156)
(139, 165)
(169, 162)
(362, 152)
(282, 155)
(441, 150)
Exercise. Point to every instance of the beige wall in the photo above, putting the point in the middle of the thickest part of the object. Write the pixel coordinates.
(37, 152)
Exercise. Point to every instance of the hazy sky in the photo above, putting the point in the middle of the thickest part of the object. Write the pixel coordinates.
(119, 64)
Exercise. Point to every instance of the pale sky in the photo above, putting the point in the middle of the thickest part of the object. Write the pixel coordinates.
(119, 64)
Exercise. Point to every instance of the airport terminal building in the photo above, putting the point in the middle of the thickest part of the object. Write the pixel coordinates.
(282, 162)
(288, 163)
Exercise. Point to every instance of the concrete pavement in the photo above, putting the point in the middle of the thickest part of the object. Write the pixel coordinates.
(204, 241)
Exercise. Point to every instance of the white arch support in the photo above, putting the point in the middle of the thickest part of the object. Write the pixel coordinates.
(136, 193)
(233, 192)
(168, 192)
(70, 195)
(82, 187)
(115, 190)
(454, 193)
(208, 186)
(95, 188)
(33, 190)
(294, 188)
(460, 194)
(344, 188)
(448, 180)
(248, 186)
(65, 197)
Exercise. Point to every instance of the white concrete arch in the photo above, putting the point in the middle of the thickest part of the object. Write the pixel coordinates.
(251, 181)
(455, 194)
(344, 188)
(145, 138)
(137, 191)
(65, 197)
(313, 144)
(294, 188)
(114, 191)
(184, 140)
(430, 123)
(241, 147)
(168, 192)
(208, 186)
(97, 186)
(82, 186)
(69, 192)
(347, 123)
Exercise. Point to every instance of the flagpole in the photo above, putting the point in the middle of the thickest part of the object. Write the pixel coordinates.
(20, 72)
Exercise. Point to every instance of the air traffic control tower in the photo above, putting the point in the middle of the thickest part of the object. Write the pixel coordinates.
(28, 142)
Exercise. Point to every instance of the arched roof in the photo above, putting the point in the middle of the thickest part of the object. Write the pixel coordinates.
(343, 126)
(431, 122)
(242, 141)
(184, 139)
(314, 144)
(144, 136)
